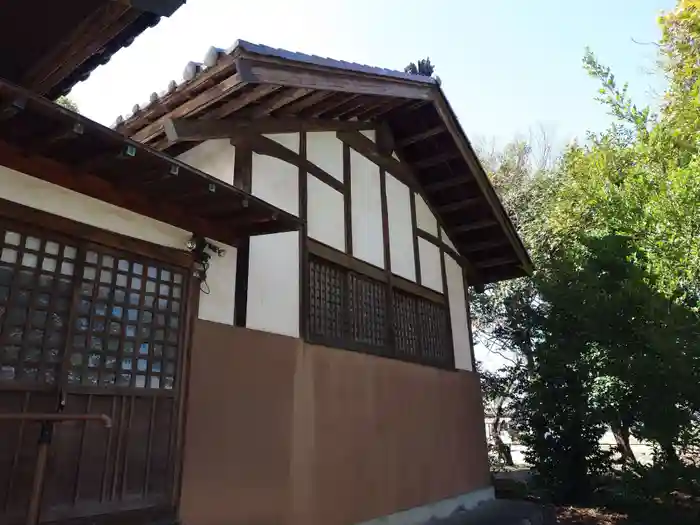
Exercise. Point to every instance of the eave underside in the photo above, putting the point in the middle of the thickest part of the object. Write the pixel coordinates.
(250, 93)
(49, 46)
(41, 139)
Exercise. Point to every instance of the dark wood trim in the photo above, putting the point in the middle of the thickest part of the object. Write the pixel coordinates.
(271, 70)
(381, 149)
(479, 175)
(446, 291)
(303, 241)
(385, 161)
(486, 245)
(243, 179)
(414, 229)
(346, 261)
(278, 101)
(191, 314)
(266, 146)
(187, 130)
(475, 225)
(303, 103)
(440, 158)
(38, 218)
(347, 186)
(469, 318)
(453, 182)
(439, 243)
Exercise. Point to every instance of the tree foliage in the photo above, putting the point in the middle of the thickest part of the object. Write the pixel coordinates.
(67, 103)
(606, 333)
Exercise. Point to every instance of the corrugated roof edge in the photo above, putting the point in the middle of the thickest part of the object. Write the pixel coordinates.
(260, 49)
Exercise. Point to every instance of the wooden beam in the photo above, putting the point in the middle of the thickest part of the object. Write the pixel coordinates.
(461, 204)
(445, 156)
(241, 101)
(184, 130)
(268, 72)
(86, 39)
(266, 146)
(333, 106)
(193, 106)
(418, 137)
(475, 225)
(367, 148)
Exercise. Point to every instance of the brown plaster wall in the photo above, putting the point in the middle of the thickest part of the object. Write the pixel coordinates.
(283, 432)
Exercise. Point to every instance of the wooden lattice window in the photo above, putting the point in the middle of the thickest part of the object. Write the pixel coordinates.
(36, 285)
(86, 314)
(349, 310)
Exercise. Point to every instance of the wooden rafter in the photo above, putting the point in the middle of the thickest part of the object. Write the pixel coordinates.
(308, 101)
(461, 204)
(278, 101)
(475, 225)
(452, 182)
(192, 107)
(445, 156)
(186, 130)
(497, 261)
(101, 26)
(242, 101)
(418, 137)
(332, 107)
(486, 245)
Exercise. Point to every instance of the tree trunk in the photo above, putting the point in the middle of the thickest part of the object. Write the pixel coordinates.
(622, 439)
(502, 449)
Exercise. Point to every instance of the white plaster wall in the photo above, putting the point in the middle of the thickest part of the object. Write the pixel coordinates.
(447, 240)
(214, 157)
(366, 203)
(326, 214)
(398, 199)
(288, 140)
(370, 134)
(458, 314)
(425, 220)
(430, 270)
(273, 284)
(325, 150)
(276, 182)
(218, 304)
(30, 191)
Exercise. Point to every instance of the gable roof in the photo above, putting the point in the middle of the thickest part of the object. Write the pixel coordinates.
(48, 46)
(251, 82)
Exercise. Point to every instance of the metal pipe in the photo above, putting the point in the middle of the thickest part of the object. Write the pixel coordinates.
(42, 456)
(59, 417)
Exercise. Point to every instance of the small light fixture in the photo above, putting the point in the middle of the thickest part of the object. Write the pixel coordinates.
(212, 188)
(202, 251)
(130, 150)
(174, 170)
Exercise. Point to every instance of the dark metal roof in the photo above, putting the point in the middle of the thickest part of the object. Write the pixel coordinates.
(42, 139)
(250, 81)
(48, 46)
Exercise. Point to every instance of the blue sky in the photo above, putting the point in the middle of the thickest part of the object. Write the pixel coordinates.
(508, 66)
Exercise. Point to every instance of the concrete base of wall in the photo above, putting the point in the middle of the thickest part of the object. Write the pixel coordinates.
(436, 510)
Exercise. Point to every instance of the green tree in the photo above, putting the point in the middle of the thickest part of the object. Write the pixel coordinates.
(67, 103)
(423, 67)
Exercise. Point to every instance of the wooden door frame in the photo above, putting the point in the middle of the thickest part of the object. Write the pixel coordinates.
(42, 221)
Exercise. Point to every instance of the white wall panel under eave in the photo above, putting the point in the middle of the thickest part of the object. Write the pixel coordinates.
(276, 182)
(325, 150)
(273, 284)
(218, 304)
(458, 315)
(214, 157)
(425, 220)
(370, 134)
(430, 270)
(398, 199)
(367, 232)
(326, 214)
(41, 195)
